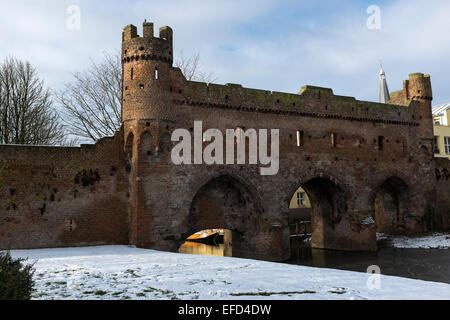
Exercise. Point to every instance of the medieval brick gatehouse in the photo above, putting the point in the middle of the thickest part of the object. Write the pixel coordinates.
(364, 166)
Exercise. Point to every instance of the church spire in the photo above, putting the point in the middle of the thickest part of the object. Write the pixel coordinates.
(384, 91)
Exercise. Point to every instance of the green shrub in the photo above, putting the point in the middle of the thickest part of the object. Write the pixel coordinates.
(16, 278)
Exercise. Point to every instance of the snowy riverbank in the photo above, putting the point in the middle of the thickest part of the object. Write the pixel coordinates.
(121, 272)
(433, 241)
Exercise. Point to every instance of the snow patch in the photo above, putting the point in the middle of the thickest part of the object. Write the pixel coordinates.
(122, 272)
(434, 241)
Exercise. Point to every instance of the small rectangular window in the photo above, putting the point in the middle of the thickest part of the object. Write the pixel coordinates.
(333, 137)
(300, 138)
(380, 142)
(132, 73)
(156, 73)
(447, 145)
(301, 199)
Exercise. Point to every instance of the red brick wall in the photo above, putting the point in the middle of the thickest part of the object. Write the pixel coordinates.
(56, 196)
(442, 212)
(373, 142)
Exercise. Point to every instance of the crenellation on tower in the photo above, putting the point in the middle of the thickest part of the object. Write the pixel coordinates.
(166, 33)
(135, 48)
(148, 31)
(147, 72)
(418, 87)
(129, 32)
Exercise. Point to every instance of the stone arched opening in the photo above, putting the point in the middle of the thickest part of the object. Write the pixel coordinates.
(391, 204)
(128, 148)
(225, 203)
(328, 205)
(327, 201)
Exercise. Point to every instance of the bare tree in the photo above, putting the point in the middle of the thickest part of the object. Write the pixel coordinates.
(91, 104)
(27, 115)
(191, 68)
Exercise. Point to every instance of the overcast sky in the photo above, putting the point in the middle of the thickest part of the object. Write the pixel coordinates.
(266, 44)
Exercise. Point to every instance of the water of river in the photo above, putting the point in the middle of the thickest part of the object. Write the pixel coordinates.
(203, 249)
(423, 264)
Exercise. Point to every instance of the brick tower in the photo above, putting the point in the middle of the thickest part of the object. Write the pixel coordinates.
(418, 89)
(146, 63)
(146, 107)
(417, 95)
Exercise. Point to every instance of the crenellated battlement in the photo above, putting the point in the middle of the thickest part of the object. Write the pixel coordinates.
(147, 47)
(147, 67)
(130, 32)
(311, 101)
(149, 79)
(416, 88)
(148, 31)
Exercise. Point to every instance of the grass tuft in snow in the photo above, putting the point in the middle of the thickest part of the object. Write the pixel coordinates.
(267, 294)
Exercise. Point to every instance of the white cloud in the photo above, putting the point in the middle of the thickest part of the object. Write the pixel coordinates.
(344, 55)
(236, 42)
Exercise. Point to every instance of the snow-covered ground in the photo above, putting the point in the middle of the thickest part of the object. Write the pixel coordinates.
(434, 241)
(122, 272)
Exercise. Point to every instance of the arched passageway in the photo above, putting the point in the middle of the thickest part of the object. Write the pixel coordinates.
(327, 204)
(227, 204)
(391, 206)
(210, 242)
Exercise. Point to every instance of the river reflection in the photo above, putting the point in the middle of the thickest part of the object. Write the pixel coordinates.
(423, 264)
(203, 249)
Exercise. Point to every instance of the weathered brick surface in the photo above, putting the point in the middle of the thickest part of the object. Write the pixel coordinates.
(379, 166)
(441, 216)
(358, 161)
(52, 197)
